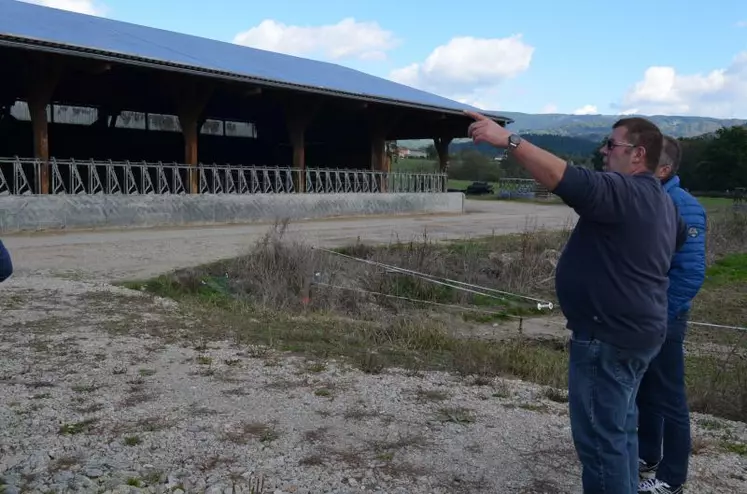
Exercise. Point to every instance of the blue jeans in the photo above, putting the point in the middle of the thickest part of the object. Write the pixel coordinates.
(603, 382)
(664, 413)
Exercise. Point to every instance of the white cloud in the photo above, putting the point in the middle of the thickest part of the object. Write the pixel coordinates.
(742, 24)
(586, 110)
(80, 6)
(719, 93)
(346, 39)
(469, 69)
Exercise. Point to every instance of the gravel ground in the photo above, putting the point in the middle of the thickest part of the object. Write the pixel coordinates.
(103, 390)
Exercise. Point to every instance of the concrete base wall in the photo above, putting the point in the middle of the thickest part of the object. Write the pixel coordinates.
(74, 212)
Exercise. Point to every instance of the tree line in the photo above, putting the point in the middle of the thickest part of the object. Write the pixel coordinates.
(712, 164)
(716, 162)
(483, 162)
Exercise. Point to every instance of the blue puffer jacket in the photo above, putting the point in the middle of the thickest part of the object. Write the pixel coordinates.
(687, 272)
(6, 265)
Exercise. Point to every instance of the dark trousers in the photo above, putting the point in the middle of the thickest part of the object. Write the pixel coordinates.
(603, 381)
(664, 421)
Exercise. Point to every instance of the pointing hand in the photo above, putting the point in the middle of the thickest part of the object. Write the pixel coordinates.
(485, 130)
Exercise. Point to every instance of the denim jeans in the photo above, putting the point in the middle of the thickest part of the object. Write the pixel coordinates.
(664, 413)
(603, 381)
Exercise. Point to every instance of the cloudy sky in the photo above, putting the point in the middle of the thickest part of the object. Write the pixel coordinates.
(571, 56)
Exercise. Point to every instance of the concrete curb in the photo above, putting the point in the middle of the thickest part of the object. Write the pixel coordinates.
(76, 212)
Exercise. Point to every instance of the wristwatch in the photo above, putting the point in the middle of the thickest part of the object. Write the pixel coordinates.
(513, 141)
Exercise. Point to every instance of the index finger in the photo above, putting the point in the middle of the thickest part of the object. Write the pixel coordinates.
(475, 115)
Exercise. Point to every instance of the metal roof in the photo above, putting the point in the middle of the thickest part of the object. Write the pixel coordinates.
(23, 24)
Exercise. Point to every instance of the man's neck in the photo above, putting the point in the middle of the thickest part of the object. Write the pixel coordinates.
(641, 171)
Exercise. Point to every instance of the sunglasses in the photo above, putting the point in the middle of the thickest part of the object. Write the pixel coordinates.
(611, 144)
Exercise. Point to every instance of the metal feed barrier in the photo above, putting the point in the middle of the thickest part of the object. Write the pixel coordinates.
(19, 176)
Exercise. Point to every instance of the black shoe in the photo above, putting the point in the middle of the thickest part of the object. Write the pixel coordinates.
(646, 470)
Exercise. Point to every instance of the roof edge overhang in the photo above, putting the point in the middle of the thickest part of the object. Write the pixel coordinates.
(14, 41)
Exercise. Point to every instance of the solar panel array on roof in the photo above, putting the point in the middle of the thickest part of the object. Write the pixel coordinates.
(79, 31)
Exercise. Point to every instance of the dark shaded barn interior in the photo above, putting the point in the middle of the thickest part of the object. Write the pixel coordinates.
(66, 104)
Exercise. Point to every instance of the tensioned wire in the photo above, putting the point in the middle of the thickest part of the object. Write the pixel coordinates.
(466, 287)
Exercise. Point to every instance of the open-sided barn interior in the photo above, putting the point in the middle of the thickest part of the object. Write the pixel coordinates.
(82, 91)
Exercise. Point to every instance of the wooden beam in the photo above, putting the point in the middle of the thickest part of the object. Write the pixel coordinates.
(380, 124)
(191, 99)
(298, 117)
(378, 153)
(442, 148)
(42, 76)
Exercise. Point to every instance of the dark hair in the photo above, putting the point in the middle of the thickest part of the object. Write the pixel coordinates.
(644, 133)
(671, 153)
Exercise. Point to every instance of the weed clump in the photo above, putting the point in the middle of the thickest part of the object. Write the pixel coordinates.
(366, 282)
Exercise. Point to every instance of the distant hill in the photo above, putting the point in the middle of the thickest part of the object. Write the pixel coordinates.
(563, 145)
(596, 127)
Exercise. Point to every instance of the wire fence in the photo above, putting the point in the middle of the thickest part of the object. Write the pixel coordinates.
(19, 176)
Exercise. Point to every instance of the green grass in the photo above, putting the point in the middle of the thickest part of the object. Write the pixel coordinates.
(721, 300)
(729, 270)
(712, 204)
(415, 165)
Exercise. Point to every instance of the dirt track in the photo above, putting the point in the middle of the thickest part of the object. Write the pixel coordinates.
(114, 255)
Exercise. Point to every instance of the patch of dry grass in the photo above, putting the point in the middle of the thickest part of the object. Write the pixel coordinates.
(259, 300)
(278, 275)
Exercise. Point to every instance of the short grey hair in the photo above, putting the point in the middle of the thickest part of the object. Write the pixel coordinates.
(671, 154)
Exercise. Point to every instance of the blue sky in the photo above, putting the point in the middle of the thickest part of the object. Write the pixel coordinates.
(648, 57)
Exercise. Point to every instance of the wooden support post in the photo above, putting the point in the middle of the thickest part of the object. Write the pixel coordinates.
(442, 148)
(40, 128)
(42, 75)
(380, 124)
(378, 158)
(298, 116)
(378, 153)
(191, 100)
(296, 135)
(188, 122)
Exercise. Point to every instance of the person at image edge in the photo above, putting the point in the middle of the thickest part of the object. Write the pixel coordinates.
(664, 440)
(6, 265)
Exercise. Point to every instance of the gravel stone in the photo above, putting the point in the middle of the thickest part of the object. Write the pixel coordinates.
(93, 472)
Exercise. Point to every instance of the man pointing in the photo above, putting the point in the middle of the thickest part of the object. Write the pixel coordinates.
(611, 282)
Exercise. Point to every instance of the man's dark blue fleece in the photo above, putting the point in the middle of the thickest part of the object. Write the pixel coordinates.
(611, 279)
(6, 265)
